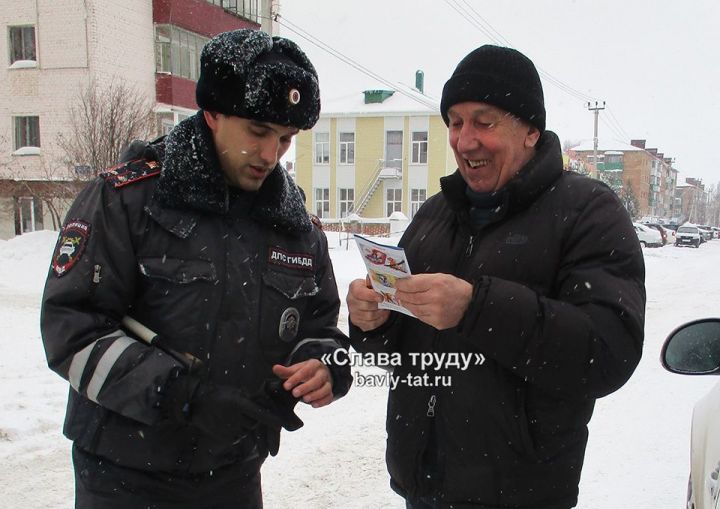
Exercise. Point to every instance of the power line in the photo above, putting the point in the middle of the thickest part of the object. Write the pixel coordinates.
(464, 13)
(619, 135)
(471, 15)
(486, 23)
(617, 123)
(283, 21)
(496, 37)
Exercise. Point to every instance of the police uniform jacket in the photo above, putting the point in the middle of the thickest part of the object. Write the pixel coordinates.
(241, 281)
(555, 321)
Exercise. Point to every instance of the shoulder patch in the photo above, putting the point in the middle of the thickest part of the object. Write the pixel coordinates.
(133, 171)
(73, 239)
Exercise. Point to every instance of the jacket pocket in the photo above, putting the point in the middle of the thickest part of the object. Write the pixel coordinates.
(182, 292)
(282, 310)
(176, 270)
(291, 286)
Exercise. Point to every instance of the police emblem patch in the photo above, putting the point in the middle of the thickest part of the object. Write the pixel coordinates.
(289, 324)
(70, 247)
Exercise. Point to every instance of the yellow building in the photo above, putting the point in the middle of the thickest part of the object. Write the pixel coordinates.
(373, 153)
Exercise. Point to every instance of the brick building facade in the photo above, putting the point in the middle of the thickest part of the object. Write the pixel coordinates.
(56, 48)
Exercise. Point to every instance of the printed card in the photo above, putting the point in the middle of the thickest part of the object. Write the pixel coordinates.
(385, 264)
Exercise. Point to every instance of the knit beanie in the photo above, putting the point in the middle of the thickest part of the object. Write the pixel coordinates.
(249, 74)
(503, 77)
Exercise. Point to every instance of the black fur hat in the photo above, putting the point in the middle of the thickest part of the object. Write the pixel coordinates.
(249, 74)
(503, 77)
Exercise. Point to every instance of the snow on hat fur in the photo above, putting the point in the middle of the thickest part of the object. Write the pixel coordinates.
(249, 74)
(503, 77)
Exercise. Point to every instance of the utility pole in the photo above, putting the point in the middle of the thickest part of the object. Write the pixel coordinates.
(596, 109)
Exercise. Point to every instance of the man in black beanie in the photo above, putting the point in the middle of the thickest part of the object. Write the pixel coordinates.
(190, 297)
(533, 307)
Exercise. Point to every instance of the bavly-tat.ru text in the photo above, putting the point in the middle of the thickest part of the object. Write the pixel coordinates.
(392, 381)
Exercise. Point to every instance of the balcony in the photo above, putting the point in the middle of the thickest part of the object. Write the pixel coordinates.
(390, 169)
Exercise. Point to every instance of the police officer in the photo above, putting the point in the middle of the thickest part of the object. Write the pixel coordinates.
(191, 298)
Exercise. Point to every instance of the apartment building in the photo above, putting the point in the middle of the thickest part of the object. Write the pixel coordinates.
(693, 199)
(373, 153)
(55, 48)
(648, 173)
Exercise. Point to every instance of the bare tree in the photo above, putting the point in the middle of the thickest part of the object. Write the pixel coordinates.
(103, 121)
(629, 200)
(50, 187)
(713, 206)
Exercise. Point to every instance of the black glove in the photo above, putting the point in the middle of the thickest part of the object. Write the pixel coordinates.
(280, 402)
(225, 411)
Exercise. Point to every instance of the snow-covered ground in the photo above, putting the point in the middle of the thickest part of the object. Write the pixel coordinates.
(639, 438)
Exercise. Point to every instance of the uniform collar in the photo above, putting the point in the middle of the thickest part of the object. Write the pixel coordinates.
(191, 178)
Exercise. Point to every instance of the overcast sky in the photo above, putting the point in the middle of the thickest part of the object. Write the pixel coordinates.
(655, 64)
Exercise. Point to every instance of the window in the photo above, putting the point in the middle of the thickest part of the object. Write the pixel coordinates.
(393, 201)
(322, 148)
(22, 44)
(419, 147)
(27, 132)
(177, 51)
(346, 201)
(347, 148)
(417, 198)
(249, 9)
(322, 202)
(29, 214)
(393, 149)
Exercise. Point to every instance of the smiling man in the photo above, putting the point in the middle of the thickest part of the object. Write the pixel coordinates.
(191, 297)
(532, 308)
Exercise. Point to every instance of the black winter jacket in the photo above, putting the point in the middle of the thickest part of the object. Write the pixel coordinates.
(557, 313)
(241, 281)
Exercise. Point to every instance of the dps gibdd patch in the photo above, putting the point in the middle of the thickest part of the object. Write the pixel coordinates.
(73, 239)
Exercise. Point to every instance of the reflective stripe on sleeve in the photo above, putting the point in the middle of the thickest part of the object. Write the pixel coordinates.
(80, 359)
(107, 361)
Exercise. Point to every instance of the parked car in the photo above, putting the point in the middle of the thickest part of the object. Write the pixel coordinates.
(688, 235)
(663, 232)
(647, 236)
(706, 232)
(671, 234)
(694, 349)
(716, 231)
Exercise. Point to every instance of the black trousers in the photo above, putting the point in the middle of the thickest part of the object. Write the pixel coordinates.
(100, 484)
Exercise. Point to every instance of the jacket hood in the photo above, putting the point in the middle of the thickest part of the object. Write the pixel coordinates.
(191, 178)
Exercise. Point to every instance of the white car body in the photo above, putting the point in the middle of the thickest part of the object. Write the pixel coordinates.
(694, 349)
(648, 236)
(705, 453)
(688, 234)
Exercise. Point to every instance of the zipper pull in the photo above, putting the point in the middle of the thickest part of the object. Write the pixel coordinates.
(431, 406)
(96, 274)
(469, 248)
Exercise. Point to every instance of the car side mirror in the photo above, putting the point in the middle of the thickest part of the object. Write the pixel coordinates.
(693, 348)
